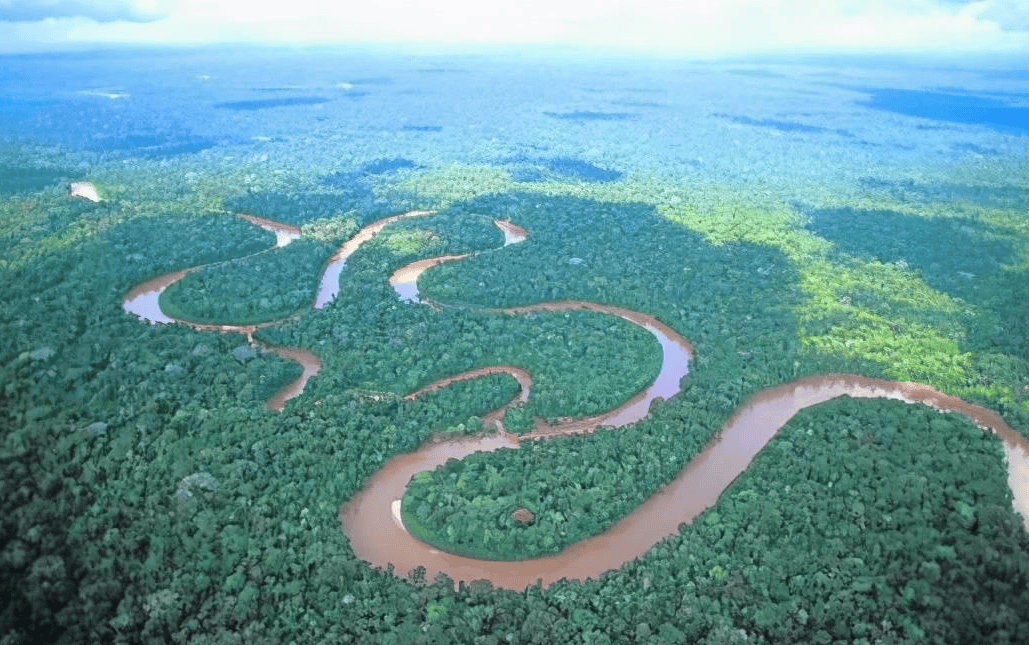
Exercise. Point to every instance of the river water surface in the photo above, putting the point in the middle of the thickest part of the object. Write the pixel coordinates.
(372, 521)
(143, 300)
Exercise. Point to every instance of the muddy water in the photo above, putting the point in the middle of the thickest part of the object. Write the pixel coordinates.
(143, 300)
(405, 279)
(329, 285)
(513, 233)
(284, 233)
(676, 352)
(524, 380)
(371, 518)
(310, 363)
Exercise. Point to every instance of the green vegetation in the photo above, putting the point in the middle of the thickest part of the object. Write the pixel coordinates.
(351, 200)
(974, 263)
(256, 289)
(156, 245)
(150, 497)
(26, 179)
(814, 542)
(582, 362)
(579, 486)
(518, 419)
(461, 405)
(466, 506)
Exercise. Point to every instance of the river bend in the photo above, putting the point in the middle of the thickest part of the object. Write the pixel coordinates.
(372, 518)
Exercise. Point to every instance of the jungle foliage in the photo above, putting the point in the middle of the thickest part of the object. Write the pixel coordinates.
(24, 233)
(405, 346)
(452, 405)
(24, 179)
(157, 245)
(352, 197)
(948, 253)
(149, 497)
(255, 289)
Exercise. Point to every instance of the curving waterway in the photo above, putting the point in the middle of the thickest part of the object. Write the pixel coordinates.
(372, 518)
(143, 300)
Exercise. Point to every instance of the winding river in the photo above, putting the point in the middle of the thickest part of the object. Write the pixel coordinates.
(372, 518)
(143, 300)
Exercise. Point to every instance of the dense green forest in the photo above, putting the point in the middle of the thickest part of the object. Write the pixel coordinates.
(256, 289)
(406, 346)
(150, 497)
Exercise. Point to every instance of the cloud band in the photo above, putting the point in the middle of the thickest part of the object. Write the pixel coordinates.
(99, 10)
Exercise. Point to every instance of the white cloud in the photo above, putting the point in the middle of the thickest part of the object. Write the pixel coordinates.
(683, 27)
(1009, 15)
(98, 10)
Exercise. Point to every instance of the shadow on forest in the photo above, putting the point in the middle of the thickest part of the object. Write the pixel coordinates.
(735, 303)
(785, 126)
(13, 111)
(262, 104)
(536, 169)
(1009, 196)
(377, 167)
(734, 300)
(153, 145)
(958, 256)
(351, 196)
(589, 115)
(952, 107)
(300, 208)
(26, 179)
(422, 128)
(350, 180)
(975, 149)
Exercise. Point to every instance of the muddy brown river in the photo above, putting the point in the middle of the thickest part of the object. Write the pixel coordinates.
(143, 300)
(372, 518)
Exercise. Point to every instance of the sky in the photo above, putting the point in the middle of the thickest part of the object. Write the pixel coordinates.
(664, 27)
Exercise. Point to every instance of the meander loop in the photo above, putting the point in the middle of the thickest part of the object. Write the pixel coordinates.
(143, 300)
(372, 518)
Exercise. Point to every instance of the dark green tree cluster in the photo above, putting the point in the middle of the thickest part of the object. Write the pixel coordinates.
(863, 521)
(461, 405)
(350, 198)
(255, 289)
(722, 299)
(574, 487)
(87, 392)
(23, 233)
(22, 178)
(518, 419)
(156, 245)
(582, 362)
(574, 497)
